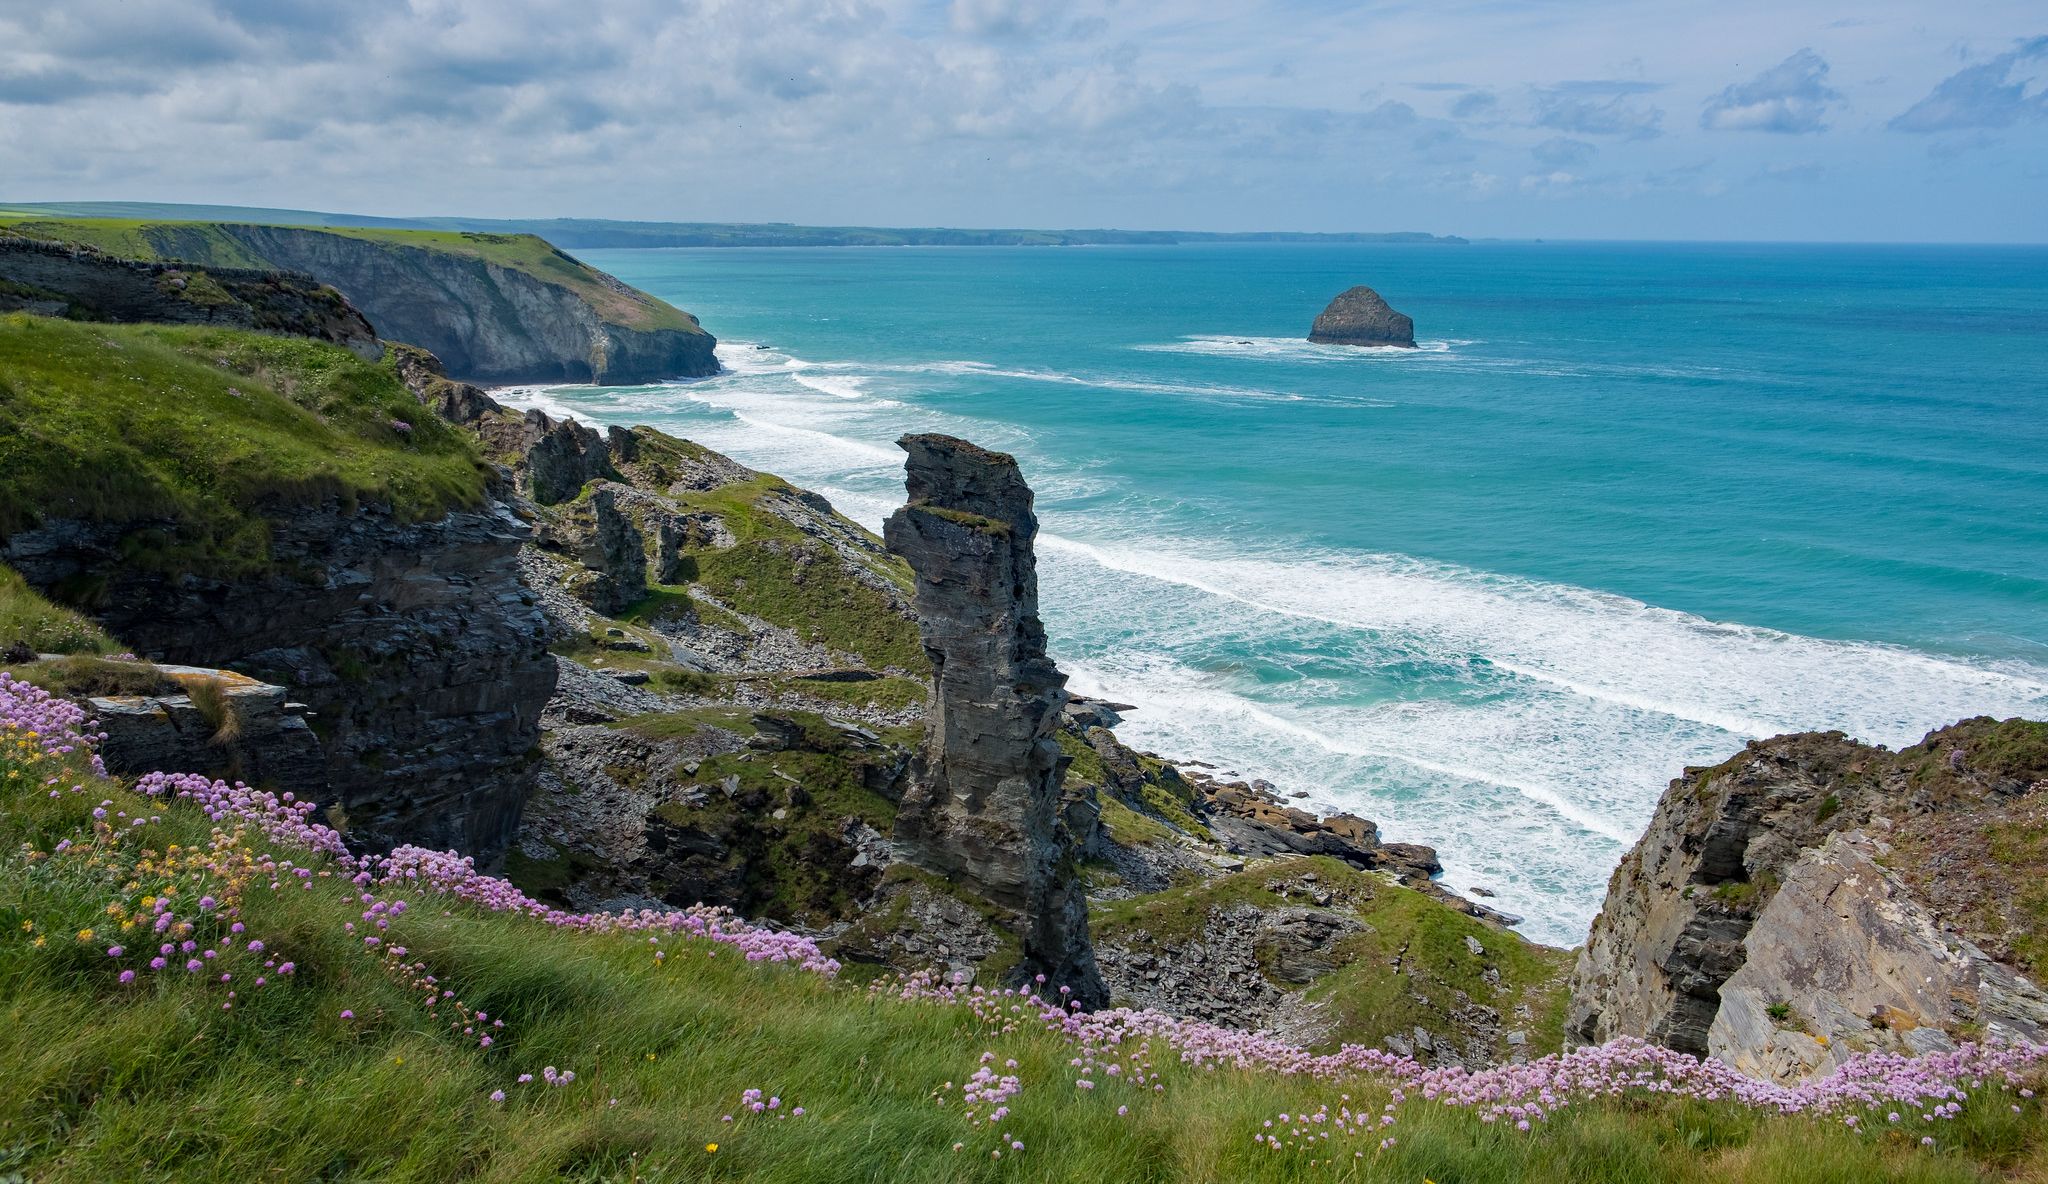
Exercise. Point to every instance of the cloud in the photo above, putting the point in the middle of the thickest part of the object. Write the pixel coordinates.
(1605, 108)
(1999, 93)
(1478, 104)
(1791, 97)
(1005, 18)
(1561, 152)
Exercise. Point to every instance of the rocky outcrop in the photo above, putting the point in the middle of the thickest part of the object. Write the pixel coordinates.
(610, 550)
(1845, 960)
(1360, 317)
(982, 809)
(1754, 860)
(414, 643)
(224, 725)
(65, 280)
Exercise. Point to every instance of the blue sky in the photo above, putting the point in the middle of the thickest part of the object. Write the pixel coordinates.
(1745, 119)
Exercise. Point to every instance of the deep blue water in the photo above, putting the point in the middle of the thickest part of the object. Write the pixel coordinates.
(1629, 506)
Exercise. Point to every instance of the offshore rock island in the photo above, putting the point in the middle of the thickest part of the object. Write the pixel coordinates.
(1359, 316)
(352, 716)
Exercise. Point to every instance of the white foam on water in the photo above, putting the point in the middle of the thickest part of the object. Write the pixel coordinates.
(1525, 729)
(841, 387)
(1294, 349)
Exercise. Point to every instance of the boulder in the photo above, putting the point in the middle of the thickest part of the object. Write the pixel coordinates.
(1360, 317)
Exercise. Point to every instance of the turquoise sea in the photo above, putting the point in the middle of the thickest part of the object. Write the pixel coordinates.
(1628, 507)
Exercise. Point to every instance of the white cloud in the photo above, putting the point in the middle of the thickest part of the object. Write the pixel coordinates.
(1792, 96)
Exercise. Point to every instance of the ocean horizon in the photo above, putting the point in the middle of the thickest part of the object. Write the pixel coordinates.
(1628, 506)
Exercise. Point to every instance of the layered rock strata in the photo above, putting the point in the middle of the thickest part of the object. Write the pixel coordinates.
(224, 725)
(1809, 893)
(414, 642)
(982, 809)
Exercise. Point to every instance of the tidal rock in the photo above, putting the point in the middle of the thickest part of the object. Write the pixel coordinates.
(1360, 317)
(983, 804)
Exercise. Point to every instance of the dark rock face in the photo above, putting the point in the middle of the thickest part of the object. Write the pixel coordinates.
(611, 550)
(414, 643)
(58, 279)
(984, 798)
(488, 323)
(1360, 317)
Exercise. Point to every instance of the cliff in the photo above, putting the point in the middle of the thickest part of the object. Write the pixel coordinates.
(494, 308)
(80, 283)
(1815, 897)
(282, 508)
(983, 805)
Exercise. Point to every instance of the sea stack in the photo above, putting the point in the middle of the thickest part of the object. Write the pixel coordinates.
(1360, 317)
(982, 806)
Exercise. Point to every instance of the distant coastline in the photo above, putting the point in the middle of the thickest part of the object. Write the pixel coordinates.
(574, 234)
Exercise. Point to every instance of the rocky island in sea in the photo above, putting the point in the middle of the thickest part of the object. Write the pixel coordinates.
(1359, 316)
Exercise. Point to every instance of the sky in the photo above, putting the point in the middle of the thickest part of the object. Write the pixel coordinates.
(1883, 120)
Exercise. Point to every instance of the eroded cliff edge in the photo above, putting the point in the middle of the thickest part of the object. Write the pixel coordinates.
(1814, 897)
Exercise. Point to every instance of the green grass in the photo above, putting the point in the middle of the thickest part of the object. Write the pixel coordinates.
(156, 1081)
(188, 437)
(26, 616)
(220, 245)
(1406, 968)
(79, 676)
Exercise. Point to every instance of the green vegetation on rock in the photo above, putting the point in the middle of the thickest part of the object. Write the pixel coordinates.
(30, 619)
(217, 244)
(188, 437)
(1410, 966)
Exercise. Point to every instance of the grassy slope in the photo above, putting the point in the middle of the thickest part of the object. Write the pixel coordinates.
(1401, 971)
(27, 617)
(198, 428)
(157, 1081)
(208, 243)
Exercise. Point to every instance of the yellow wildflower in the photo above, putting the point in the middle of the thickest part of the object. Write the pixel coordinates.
(710, 1146)
(85, 935)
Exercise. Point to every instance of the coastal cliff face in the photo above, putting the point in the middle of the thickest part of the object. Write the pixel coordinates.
(487, 322)
(414, 643)
(1815, 896)
(79, 283)
(983, 805)
(495, 308)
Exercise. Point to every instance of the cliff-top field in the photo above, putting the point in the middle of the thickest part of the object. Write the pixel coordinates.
(203, 429)
(197, 983)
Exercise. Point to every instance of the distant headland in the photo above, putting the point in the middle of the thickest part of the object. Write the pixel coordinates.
(576, 234)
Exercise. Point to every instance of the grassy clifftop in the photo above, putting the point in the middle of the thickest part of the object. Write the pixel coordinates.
(185, 997)
(189, 434)
(224, 244)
